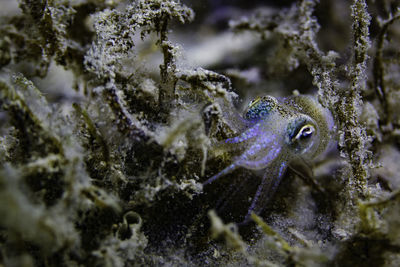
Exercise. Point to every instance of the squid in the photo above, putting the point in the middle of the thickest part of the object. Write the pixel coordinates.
(278, 131)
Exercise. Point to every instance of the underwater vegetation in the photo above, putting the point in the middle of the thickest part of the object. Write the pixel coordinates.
(128, 137)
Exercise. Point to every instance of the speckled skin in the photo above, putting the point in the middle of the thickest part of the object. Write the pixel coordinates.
(280, 131)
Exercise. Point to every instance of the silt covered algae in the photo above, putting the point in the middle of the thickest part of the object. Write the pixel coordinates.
(113, 112)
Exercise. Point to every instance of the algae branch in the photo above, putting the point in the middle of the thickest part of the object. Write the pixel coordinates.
(111, 113)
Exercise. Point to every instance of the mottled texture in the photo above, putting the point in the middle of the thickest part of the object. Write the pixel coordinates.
(114, 114)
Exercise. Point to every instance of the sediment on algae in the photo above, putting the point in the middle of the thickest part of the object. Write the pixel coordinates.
(111, 112)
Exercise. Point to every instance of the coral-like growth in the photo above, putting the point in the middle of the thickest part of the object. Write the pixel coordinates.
(110, 126)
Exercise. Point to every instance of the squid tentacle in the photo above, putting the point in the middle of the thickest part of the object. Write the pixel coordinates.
(246, 135)
(265, 191)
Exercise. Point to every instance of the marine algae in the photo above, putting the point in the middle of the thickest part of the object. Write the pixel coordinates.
(109, 130)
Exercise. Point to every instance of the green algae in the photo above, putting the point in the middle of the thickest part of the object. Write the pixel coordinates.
(106, 169)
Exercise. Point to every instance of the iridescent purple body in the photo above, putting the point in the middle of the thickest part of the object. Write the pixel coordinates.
(277, 132)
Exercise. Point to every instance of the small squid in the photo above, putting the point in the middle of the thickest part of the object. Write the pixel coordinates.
(277, 132)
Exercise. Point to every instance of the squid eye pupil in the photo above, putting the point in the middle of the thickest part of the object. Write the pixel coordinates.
(306, 132)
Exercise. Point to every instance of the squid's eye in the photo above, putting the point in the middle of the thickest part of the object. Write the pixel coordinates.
(300, 131)
(305, 132)
(302, 139)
